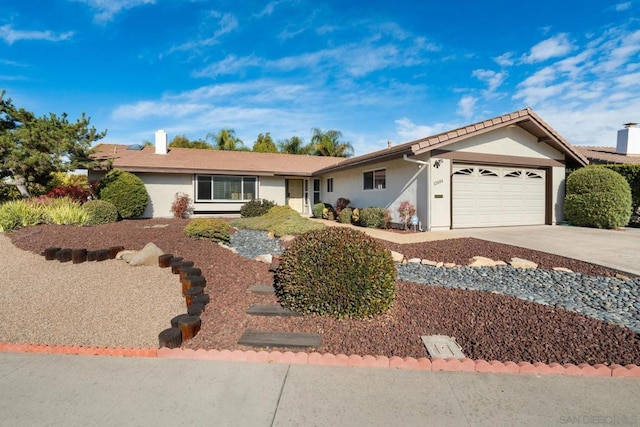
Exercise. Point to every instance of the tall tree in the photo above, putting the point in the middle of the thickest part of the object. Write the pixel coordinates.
(330, 143)
(264, 144)
(181, 141)
(226, 139)
(294, 145)
(31, 147)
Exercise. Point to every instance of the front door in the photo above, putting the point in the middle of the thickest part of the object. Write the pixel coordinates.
(295, 194)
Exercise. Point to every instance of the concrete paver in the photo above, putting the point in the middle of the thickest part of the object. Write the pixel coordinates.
(41, 389)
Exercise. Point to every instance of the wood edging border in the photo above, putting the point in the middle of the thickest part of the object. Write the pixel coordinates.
(328, 359)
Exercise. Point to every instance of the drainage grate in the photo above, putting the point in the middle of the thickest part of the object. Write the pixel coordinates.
(442, 346)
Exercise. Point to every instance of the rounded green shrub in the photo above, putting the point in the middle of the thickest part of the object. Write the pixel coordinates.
(374, 217)
(317, 209)
(597, 197)
(336, 271)
(214, 229)
(101, 212)
(344, 216)
(126, 191)
(257, 207)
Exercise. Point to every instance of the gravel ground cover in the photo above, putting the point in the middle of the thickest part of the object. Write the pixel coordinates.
(487, 324)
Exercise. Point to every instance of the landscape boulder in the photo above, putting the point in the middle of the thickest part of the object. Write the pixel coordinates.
(480, 261)
(522, 263)
(146, 256)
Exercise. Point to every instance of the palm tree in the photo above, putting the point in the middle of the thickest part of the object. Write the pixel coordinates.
(294, 145)
(329, 143)
(227, 140)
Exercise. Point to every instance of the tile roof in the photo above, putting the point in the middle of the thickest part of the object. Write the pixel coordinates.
(607, 155)
(189, 160)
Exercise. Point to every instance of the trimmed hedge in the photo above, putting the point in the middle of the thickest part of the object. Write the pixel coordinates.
(101, 212)
(280, 220)
(632, 174)
(214, 229)
(336, 271)
(344, 216)
(374, 217)
(597, 197)
(126, 191)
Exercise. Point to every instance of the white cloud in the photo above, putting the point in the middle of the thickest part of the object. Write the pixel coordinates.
(10, 35)
(229, 65)
(466, 106)
(225, 23)
(505, 60)
(554, 47)
(621, 7)
(107, 9)
(409, 131)
(492, 78)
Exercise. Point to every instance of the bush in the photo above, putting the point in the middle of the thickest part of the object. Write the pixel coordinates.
(406, 211)
(126, 191)
(341, 203)
(328, 212)
(20, 213)
(317, 210)
(214, 229)
(79, 193)
(374, 217)
(344, 216)
(336, 271)
(100, 212)
(181, 206)
(65, 212)
(355, 216)
(280, 220)
(597, 197)
(257, 207)
(632, 174)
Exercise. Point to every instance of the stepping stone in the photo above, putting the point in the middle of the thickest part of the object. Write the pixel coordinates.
(271, 310)
(256, 338)
(262, 289)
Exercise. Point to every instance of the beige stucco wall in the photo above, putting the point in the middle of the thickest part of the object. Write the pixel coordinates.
(507, 142)
(557, 194)
(272, 188)
(439, 194)
(162, 189)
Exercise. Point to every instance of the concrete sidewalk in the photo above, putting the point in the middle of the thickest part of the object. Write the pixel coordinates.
(39, 389)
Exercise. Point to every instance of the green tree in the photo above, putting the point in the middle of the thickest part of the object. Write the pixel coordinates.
(227, 140)
(181, 141)
(31, 147)
(264, 144)
(294, 145)
(330, 143)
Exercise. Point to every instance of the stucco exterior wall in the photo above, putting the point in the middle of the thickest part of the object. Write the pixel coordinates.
(439, 194)
(162, 189)
(507, 142)
(272, 188)
(558, 185)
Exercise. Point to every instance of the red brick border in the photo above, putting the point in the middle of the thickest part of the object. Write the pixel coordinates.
(328, 359)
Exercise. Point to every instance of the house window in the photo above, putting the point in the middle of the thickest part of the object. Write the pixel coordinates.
(316, 191)
(376, 179)
(329, 185)
(215, 187)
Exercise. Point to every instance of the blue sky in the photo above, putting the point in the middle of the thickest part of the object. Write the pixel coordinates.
(375, 70)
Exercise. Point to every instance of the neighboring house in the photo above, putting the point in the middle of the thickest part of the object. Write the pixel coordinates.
(509, 170)
(626, 151)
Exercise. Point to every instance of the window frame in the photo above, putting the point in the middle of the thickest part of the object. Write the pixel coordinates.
(329, 185)
(373, 179)
(245, 180)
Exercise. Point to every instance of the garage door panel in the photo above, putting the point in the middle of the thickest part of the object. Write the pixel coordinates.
(485, 196)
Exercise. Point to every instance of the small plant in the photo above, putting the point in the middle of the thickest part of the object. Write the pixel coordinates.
(406, 211)
(214, 229)
(126, 191)
(100, 212)
(341, 203)
(344, 217)
(257, 207)
(597, 197)
(181, 206)
(328, 212)
(355, 216)
(65, 212)
(20, 213)
(375, 217)
(78, 193)
(317, 210)
(336, 271)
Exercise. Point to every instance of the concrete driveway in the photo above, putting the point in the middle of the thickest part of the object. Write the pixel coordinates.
(617, 249)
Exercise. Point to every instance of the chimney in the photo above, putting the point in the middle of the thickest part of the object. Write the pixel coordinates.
(629, 140)
(161, 142)
(389, 144)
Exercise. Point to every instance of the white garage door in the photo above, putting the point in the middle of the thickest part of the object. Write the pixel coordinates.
(488, 196)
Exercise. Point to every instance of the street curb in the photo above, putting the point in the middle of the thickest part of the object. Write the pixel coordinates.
(328, 359)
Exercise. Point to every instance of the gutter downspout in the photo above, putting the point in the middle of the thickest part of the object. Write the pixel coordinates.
(423, 163)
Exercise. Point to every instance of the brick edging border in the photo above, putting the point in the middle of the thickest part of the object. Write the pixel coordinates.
(328, 359)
